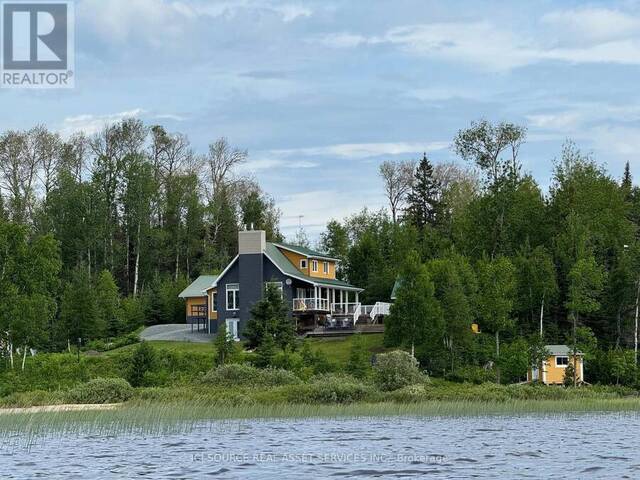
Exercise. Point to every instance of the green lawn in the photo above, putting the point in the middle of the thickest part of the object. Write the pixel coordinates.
(338, 348)
(167, 346)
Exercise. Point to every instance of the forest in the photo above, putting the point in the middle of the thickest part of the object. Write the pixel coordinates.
(99, 233)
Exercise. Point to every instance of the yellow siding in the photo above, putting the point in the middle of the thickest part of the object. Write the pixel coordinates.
(320, 273)
(295, 259)
(193, 301)
(554, 374)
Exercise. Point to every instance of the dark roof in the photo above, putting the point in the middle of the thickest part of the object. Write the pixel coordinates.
(307, 252)
(285, 266)
(198, 286)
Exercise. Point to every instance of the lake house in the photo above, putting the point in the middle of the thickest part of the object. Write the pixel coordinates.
(307, 280)
(555, 365)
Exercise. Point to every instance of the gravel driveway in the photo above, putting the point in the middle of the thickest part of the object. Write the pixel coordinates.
(175, 332)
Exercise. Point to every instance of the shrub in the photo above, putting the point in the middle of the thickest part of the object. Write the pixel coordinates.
(331, 389)
(472, 374)
(101, 390)
(359, 364)
(143, 361)
(288, 360)
(395, 370)
(235, 374)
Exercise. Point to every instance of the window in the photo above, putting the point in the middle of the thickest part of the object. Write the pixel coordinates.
(314, 265)
(562, 361)
(214, 301)
(233, 296)
(277, 285)
(325, 267)
(303, 263)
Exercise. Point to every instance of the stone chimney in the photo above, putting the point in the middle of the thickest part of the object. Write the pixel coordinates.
(252, 241)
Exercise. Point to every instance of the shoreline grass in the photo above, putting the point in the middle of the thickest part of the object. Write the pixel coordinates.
(158, 418)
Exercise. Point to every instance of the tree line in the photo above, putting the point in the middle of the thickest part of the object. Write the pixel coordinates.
(479, 241)
(99, 233)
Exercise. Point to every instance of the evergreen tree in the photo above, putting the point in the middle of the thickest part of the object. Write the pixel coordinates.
(224, 344)
(270, 319)
(79, 314)
(627, 182)
(359, 362)
(108, 303)
(424, 198)
(142, 361)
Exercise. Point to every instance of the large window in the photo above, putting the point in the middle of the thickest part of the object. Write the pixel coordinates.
(233, 296)
(276, 285)
(325, 268)
(314, 265)
(562, 361)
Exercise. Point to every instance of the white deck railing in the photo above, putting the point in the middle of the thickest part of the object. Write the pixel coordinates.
(304, 304)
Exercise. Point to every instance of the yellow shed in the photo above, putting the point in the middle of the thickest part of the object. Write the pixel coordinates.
(555, 366)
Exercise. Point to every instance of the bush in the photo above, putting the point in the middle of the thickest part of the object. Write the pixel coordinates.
(235, 374)
(331, 389)
(472, 374)
(101, 390)
(143, 361)
(395, 370)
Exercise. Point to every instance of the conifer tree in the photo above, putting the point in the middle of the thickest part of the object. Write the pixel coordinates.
(423, 200)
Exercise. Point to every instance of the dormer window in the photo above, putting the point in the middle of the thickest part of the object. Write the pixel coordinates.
(303, 264)
(314, 265)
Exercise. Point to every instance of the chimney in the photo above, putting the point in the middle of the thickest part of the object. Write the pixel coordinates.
(252, 241)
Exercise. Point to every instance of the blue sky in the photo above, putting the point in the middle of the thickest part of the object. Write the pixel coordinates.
(321, 92)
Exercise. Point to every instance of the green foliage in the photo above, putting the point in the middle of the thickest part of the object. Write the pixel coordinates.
(330, 389)
(224, 344)
(108, 303)
(359, 364)
(424, 204)
(142, 362)
(270, 322)
(80, 317)
(569, 373)
(395, 370)
(415, 316)
(101, 390)
(238, 374)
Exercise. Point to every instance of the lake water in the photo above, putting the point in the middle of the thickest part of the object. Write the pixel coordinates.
(565, 446)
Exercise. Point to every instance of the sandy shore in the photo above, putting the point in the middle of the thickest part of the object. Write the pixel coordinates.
(61, 408)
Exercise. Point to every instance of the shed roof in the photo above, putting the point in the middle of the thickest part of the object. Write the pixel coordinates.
(198, 286)
(561, 350)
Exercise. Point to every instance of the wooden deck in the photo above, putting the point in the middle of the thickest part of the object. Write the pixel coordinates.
(341, 332)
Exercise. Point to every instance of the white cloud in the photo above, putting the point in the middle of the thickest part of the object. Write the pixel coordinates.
(365, 150)
(92, 124)
(592, 24)
(262, 164)
(340, 40)
(575, 36)
(556, 121)
(162, 23)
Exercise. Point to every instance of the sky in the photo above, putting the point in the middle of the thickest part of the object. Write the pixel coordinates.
(321, 92)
